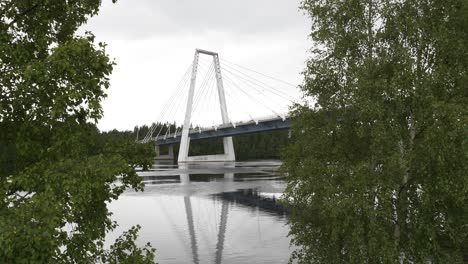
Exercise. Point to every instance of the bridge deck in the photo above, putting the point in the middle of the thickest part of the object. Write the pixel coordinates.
(227, 130)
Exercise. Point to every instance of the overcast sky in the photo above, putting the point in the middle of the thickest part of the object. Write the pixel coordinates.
(153, 42)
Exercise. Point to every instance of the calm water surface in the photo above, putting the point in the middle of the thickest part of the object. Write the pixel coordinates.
(211, 213)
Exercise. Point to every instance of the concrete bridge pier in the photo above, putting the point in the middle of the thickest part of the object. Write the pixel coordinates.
(168, 156)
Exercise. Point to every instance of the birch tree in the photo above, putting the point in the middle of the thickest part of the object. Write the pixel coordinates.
(377, 168)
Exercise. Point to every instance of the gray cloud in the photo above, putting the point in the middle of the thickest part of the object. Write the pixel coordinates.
(146, 18)
(153, 43)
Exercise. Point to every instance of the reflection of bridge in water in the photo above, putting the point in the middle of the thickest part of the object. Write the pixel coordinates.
(246, 198)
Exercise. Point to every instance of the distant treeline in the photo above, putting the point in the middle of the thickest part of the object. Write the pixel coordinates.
(266, 145)
(93, 142)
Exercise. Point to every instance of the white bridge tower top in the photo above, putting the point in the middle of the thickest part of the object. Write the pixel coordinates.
(229, 154)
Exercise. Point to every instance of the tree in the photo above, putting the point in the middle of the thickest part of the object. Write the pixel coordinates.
(377, 167)
(123, 143)
(55, 182)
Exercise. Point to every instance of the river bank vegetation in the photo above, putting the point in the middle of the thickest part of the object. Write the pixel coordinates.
(378, 165)
(57, 172)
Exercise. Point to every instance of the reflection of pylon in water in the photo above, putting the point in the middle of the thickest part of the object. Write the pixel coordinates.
(191, 227)
(221, 231)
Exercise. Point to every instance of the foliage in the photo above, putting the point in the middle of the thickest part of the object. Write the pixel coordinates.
(267, 145)
(118, 252)
(123, 143)
(55, 180)
(377, 167)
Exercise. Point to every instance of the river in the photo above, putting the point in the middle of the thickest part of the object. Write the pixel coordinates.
(209, 213)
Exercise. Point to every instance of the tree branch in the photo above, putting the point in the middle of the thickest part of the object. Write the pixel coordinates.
(22, 14)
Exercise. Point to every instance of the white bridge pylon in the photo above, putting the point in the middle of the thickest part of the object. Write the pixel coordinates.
(229, 154)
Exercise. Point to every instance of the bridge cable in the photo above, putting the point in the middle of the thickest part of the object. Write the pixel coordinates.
(268, 103)
(205, 95)
(231, 83)
(271, 77)
(169, 102)
(175, 95)
(173, 110)
(264, 87)
(203, 88)
(176, 105)
(233, 94)
(199, 91)
(260, 83)
(265, 96)
(209, 98)
(208, 95)
(212, 101)
(183, 99)
(196, 113)
(251, 97)
(234, 98)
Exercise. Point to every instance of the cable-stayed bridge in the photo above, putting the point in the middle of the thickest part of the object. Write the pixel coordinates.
(226, 130)
(247, 94)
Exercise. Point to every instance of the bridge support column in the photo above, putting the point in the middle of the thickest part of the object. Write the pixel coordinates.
(168, 156)
(227, 141)
(157, 150)
(171, 151)
(228, 145)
